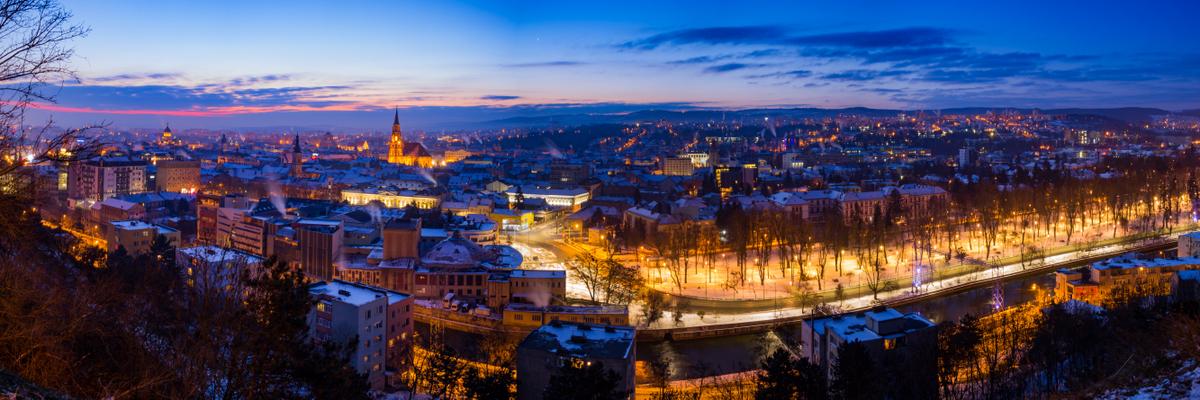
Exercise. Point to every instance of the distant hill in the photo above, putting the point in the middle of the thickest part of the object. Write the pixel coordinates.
(1125, 114)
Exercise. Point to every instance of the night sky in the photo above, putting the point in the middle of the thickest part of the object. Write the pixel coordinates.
(343, 64)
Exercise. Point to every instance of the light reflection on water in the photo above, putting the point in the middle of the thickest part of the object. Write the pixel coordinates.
(707, 357)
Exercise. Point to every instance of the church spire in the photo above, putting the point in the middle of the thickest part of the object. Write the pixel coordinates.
(296, 170)
(396, 144)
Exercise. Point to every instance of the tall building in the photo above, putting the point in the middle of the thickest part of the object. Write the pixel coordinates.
(411, 154)
(380, 321)
(105, 177)
(678, 166)
(320, 245)
(178, 176)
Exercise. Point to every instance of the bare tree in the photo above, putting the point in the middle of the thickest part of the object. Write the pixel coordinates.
(34, 56)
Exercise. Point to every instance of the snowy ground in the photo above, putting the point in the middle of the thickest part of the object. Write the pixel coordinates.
(544, 249)
(1183, 385)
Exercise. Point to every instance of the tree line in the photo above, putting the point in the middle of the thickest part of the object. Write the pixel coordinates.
(1017, 215)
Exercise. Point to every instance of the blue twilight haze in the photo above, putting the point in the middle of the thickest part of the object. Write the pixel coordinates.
(339, 64)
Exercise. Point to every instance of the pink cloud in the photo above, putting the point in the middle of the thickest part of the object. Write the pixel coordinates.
(208, 112)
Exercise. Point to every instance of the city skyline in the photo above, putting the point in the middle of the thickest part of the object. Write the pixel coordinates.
(450, 65)
(599, 200)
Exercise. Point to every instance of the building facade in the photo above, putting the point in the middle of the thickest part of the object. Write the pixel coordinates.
(105, 177)
(380, 321)
(179, 176)
(548, 348)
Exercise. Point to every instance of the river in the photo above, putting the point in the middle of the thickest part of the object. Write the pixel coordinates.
(716, 356)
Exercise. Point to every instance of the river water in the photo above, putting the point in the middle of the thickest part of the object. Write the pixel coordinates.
(716, 356)
(707, 357)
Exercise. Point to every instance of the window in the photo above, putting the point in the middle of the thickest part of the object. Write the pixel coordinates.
(889, 344)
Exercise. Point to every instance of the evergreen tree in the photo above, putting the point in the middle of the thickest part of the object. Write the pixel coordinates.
(855, 376)
(284, 361)
(789, 378)
(483, 385)
(162, 251)
(580, 381)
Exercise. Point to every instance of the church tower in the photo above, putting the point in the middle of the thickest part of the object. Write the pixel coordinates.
(297, 169)
(396, 145)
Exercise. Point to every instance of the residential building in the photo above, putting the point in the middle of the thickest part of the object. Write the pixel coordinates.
(880, 330)
(137, 236)
(320, 246)
(1120, 275)
(678, 166)
(179, 176)
(377, 320)
(101, 178)
(1189, 245)
(549, 347)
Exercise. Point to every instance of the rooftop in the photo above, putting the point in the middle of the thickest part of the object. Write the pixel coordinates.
(582, 340)
(131, 224)
(354, 294)
(214, 254)
(1129, 262)
(539, 274)
(855, 327)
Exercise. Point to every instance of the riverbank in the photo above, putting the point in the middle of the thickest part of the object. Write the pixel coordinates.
(734, 318)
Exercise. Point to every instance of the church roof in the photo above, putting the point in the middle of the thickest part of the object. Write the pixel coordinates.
(415, 150)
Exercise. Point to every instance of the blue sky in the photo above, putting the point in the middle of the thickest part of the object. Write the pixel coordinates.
(343, 64)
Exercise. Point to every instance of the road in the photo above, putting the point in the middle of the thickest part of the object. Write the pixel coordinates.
(543, 249)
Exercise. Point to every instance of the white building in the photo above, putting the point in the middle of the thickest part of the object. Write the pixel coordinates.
(554, 197)
(1189, 245)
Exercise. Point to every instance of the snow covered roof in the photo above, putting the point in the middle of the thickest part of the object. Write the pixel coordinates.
(131, 224)
(582, 340)
(858, 327)
(117, 203)
(1129, 262)
(217, 255)
(539, 274)
(348, 293)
